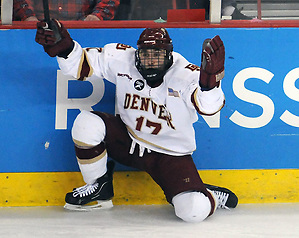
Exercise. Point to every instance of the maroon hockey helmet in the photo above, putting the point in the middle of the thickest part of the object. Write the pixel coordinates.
(157, 38)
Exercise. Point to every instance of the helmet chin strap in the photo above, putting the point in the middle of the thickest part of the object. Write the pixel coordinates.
(153, 77)
(154, 84)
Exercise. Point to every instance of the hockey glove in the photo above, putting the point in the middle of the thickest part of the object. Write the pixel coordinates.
(54, 38)
(212, 63)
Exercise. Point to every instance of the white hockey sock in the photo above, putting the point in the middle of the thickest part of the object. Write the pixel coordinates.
(94, 170)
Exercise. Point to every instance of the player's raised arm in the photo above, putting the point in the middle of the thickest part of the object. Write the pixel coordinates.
(209, 98)
(56, 41)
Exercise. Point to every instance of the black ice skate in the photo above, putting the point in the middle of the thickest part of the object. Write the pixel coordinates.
(226, 198)
(101, 192)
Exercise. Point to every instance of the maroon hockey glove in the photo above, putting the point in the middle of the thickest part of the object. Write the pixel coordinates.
(212, 63)
(54, 38)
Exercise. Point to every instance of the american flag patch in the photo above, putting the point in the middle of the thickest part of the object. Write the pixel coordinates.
(173, 93)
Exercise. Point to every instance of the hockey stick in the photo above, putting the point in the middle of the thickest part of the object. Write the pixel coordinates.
(51, 24)
(46, 11)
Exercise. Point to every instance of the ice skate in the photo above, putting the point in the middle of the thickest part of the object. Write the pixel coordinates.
(226, 198)
(92, 196)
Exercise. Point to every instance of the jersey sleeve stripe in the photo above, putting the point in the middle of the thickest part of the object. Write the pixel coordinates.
(85, 69)
(197, 107)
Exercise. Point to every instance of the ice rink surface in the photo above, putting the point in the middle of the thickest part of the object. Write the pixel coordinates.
(247, 220)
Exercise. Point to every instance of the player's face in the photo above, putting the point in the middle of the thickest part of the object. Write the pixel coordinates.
(152, 58)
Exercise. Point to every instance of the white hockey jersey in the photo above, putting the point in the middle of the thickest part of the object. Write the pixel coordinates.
(160, 119)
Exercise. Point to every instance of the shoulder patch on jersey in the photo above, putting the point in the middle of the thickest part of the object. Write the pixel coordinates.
(193, 67)
(139, 85)
(120, 46)
(173, 93)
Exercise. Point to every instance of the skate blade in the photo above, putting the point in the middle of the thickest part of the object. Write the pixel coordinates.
(101, 204)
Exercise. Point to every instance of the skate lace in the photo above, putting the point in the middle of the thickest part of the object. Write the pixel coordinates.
(222, 199)
(85, 190)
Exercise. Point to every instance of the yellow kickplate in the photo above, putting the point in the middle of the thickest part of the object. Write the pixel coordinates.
(136, 188)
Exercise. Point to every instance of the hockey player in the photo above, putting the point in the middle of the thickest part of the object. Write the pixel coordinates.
(158, 96)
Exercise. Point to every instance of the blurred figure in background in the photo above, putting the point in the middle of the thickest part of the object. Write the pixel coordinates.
(66, 10)
(22, 11)
(228, 8)
(154, 9)
(32, 10)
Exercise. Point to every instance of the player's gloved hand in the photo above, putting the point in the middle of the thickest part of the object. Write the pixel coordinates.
(54, 38)
(212, 63)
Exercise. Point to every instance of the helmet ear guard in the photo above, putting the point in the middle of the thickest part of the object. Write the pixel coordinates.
(154, 38)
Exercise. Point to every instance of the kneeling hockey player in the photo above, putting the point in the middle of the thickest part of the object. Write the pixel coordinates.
(158, 96)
